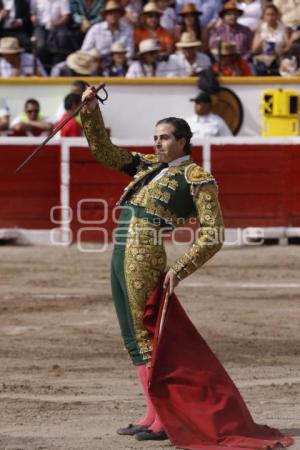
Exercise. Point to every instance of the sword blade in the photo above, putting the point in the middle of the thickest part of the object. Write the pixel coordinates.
(56, 130)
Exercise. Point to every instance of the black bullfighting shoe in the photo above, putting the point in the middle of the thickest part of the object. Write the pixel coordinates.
(150, 435)
(132, 429)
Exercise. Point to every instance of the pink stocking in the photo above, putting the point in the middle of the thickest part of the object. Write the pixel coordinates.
(157, 425)
(143, 374)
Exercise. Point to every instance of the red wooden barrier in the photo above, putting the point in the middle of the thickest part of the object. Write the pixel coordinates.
(259, 184)
(293, 187)
(26, 197)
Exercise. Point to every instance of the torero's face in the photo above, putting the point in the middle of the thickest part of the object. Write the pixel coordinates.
(166, 146)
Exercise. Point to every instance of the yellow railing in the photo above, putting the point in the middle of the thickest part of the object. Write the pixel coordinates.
(150, 80)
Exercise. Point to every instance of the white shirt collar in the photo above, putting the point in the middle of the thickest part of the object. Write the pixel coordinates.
(178, 161)
(203, 118)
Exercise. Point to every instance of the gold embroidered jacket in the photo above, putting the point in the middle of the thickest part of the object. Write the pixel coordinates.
(184, 191)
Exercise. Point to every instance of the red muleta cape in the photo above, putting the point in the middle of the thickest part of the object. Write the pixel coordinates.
(198, 403)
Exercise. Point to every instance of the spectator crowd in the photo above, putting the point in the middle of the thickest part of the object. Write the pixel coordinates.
(140, 38)
(32, 121)
(133, 38)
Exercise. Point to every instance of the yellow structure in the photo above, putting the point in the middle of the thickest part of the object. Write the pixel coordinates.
(280, 113)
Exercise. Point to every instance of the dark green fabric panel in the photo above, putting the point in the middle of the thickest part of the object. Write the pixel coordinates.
(119, 289)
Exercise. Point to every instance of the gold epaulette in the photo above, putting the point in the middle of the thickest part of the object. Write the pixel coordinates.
(149, 159)
(195, 174)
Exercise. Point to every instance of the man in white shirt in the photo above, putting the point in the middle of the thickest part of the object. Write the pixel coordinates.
(54, 40)
(204, 123)
(102, 35)
(188, 61)
(15, 62)
(50, 14)
(31, 122)
(148, 64)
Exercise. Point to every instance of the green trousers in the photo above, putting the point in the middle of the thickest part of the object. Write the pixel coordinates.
(138, 261)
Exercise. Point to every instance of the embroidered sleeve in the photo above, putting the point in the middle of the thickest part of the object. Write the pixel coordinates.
(209, 234)
(103, 149)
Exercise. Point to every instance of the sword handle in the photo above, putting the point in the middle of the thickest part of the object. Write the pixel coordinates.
(60, 126)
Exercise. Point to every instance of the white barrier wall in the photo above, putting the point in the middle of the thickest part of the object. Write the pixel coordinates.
(134, 106)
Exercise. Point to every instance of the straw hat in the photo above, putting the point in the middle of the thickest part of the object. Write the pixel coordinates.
(118, 47)
(151, 8)
(187, 40)
(148, 45)
(82, 63)
(230, 6)
(227, 48)
(190, 8)
(9, 46)
(112, 5)
(94, 52)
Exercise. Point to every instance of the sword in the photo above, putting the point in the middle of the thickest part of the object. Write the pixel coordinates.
(164, 313)
(60, 126)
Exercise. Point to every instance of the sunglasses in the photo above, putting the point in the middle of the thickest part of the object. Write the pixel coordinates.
(32, 111)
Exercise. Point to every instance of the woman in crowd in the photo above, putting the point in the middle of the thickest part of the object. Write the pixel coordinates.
(209, 8)
(270, 41)
(118, 64)
(271, 35)
(151, 29)
(189, 22)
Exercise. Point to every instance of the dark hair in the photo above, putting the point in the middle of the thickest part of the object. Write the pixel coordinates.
(181, 130)
(33, 101)
(80, 84)
(70, 99)
(197, 26)
(273, 7)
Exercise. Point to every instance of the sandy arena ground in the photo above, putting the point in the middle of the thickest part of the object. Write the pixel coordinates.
(65, 381)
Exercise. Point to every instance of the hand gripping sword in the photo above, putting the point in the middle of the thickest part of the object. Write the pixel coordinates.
(60, 126)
